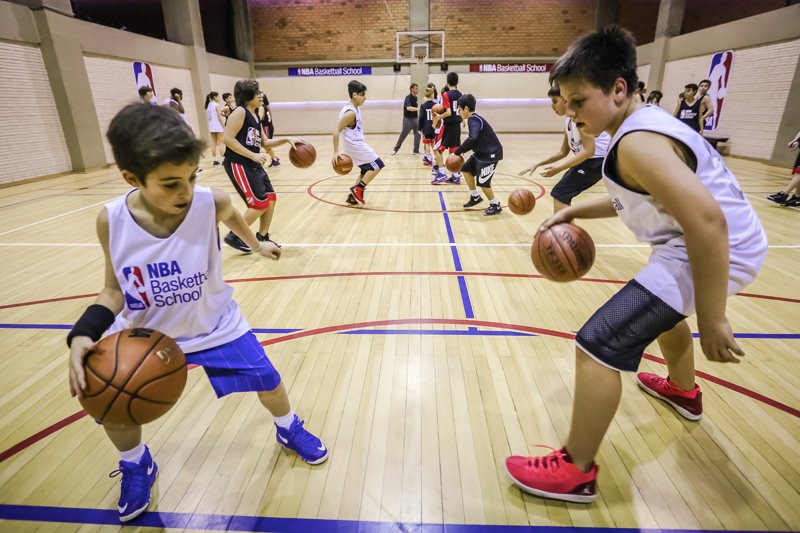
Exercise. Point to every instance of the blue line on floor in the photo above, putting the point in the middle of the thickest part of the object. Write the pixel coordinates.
(462, 282)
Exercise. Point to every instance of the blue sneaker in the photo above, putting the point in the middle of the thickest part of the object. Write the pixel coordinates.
(137, 478)
(297, 438)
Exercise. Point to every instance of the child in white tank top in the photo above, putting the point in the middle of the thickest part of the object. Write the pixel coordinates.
(164, 272)
(675, 193)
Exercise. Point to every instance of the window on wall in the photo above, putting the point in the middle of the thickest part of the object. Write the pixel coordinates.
(218, 28)
(144, 17)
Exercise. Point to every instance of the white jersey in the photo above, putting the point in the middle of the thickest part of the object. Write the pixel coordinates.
(353, 140)
(214, 125)
(169, 101)
(669, 275)
(174, 284)
(601, 142)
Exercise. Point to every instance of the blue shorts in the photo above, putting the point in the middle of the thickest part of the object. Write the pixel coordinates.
(238, 366)
(368, 167)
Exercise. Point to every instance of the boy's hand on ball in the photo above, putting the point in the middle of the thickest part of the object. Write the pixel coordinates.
(270, 250)
(80, 346)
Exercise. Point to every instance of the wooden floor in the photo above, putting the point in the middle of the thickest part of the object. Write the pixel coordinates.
(428, 350)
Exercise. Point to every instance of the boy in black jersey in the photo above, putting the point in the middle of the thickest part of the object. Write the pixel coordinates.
(426, 123)
(687, 110)
(244, 138)
(449, 136)
(487, 152)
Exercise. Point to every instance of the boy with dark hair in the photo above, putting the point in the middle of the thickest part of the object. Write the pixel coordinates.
(230, 105)
(175, 101)
(146, 95)
(167, 218)
(487, 152)
(426, 123)
(265, 116)
(706, 106)
(449, 136)
(244, 137)
(350, 130)
(672, 189)
(583, 167)
(654, 98)
(687, 109)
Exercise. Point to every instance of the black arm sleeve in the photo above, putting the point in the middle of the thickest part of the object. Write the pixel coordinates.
(475, 127)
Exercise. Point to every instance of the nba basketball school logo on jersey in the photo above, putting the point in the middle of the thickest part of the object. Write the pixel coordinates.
(143, 76)
(253, 137)
(719, 74)
(135, 292)
(168, 285)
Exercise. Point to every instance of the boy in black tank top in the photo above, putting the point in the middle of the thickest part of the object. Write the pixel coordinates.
(687, 109)
(244, 138)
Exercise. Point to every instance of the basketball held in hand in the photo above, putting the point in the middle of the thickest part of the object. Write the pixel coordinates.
(133, 377)
(454, 163)
(563, 252)
(343, 164)
(438, 109)
(303, 154)
(521, 202)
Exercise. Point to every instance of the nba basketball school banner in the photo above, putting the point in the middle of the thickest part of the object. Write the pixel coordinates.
(719, 73)
(510, 67)
(330, 71)
(143, 76)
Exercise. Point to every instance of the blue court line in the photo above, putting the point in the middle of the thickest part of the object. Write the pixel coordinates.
(462, 281)
(469, 331)
(218, 522)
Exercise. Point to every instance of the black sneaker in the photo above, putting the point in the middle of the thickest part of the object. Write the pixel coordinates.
(473, 201)
(351, 199)
(265, 238)
(216, 163)
(778, 197)
(493, 209)
(794, 201)
(233, 240)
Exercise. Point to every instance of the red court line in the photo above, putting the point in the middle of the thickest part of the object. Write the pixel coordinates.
(401, 273)
(427, 321)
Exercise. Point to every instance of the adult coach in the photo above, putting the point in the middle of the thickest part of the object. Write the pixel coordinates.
(410, 120)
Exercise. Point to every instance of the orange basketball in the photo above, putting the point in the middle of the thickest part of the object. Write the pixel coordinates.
(133, 377)
(563, 252)
(521, 202)
(303, 156)
(343, 164)
(454, 163)
(438, 109)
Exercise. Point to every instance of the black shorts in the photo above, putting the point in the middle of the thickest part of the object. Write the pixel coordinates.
(578, 179)
(617, 334)
(448, 138)
(369, 167)
(252, 184)
(482, 169)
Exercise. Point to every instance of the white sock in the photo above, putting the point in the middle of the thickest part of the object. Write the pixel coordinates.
(286, 420)
(494, 201)
(134, 455)
(474, 192)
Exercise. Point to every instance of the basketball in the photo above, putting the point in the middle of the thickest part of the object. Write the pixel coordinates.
(133, 377)
(303, 156)
(343, 164)
(438, 109)
(454, 163)
(563, 252)
(521, 202)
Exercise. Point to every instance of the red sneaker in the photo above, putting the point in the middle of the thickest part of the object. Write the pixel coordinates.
(552, 476)
(358, 193)
(689, 404)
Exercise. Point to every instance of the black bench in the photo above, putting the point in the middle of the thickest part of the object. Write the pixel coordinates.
(713, 140)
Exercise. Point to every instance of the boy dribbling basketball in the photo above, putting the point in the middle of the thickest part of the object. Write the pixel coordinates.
(167, 220)
(672, 189)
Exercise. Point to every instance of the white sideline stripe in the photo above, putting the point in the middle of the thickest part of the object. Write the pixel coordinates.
(385, 244)
(52, 218)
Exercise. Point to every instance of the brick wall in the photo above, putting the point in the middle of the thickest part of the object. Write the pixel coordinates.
(318, 30)
(511, 28)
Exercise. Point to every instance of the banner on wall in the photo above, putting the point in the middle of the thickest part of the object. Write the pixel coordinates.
(330, 71)
(143, 76)
(719, 73)
(510, 67)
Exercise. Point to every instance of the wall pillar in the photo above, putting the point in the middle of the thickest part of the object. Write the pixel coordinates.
(670, 18)
(419, 20)
(243, 32)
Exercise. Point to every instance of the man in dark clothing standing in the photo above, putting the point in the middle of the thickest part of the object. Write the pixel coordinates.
(410, 120)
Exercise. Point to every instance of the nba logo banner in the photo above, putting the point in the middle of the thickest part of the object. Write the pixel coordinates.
(143, 76)
(719, 74)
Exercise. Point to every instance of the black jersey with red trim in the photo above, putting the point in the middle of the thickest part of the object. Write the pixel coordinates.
(450, 100)
(249, 137)
(426, 119)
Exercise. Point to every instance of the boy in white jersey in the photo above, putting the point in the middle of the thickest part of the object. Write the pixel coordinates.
(583, 167)
(166, 219)
(670, 187)
(351, 132)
